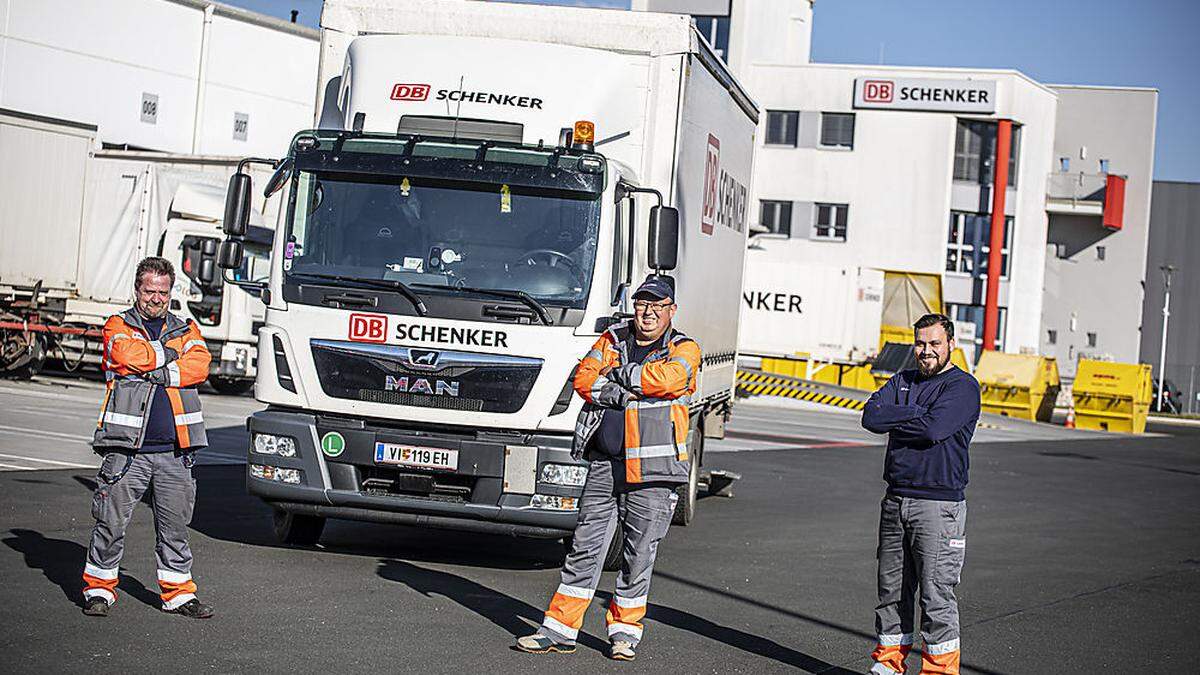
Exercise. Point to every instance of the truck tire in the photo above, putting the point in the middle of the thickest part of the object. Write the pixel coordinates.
(297, 529)
(612, 557)
(685, 508)
(33, 362)
(231, 386)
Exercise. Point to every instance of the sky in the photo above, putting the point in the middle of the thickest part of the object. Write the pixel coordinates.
(1150, 43)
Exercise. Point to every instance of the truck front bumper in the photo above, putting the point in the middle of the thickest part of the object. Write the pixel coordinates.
(491, 491)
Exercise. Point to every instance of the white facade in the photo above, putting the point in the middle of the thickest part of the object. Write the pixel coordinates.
(178, 76)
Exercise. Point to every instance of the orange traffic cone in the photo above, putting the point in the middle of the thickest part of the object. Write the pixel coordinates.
(1071, 415)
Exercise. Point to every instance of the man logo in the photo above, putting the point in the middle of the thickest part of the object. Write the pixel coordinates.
(423, 357)
(368, 327)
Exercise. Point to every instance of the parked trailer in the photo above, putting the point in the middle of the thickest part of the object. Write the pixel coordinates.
(76, 222)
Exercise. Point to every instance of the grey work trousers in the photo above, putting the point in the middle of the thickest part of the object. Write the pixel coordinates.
(644, 512)
(922, 545)
(168, 476)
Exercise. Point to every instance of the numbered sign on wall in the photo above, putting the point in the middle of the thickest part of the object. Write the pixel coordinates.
(241, 123)
(149, 108)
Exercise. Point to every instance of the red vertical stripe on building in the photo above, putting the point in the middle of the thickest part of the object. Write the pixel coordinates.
(991, 314)
(1114, 202)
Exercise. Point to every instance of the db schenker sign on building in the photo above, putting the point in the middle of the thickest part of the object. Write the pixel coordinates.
(899, 93)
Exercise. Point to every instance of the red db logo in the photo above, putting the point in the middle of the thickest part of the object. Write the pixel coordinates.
(368, 327)
(712, 174)
(410, 92)
(878, 91)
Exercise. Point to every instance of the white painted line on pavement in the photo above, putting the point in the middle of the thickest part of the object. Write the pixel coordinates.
(18, 468)
(42, 432)
(47, 461)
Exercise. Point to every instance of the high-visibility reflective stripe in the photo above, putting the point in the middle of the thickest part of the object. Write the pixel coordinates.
(646, 452)
(560, 628)
(880, 669)
(189, 418)
(179, 600)
(647, 404)
(628, 629)
(160, 356)
(595, 354)
(687, 365)
(630, 603)
(576, 591)
(174, 577)
(123, 420)
(108, 595)
(896, 639)
(635, 378)
(173, 374)
(100, 572)
(192, 343)
(942, 647)
(113, 340)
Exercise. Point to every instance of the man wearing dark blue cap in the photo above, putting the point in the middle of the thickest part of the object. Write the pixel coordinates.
(636, 382)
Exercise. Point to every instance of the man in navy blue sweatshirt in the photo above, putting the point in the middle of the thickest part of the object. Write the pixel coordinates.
(929, 415)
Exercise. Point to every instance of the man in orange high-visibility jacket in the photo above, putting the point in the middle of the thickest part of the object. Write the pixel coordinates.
(149, 429)
(637, 382)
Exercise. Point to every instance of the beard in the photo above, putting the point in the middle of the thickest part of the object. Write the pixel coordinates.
(927, 368)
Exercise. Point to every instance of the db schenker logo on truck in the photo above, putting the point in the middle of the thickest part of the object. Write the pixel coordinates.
(368, 327)
(724, 196)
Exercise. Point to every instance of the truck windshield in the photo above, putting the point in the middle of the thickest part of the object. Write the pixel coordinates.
(437, 232)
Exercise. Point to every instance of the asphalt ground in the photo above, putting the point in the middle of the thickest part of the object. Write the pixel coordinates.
(1083, 556)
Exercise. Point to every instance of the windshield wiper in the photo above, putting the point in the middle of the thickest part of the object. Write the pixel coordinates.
(384, 284)
(522, 296)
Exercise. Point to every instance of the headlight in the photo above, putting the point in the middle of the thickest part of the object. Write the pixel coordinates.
(266, 444)
(554, 503)
(275, 473)
(571, 475)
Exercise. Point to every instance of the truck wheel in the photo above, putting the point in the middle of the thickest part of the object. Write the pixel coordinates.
(33, 361)
(297, 529)
(685, 508)
(231, 386)
(612, 557)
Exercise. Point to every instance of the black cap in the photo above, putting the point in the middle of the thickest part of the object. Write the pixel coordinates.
(657, 287)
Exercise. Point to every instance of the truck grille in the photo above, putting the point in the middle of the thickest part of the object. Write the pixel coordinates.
(424, 378)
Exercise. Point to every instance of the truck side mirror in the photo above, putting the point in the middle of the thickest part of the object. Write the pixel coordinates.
(237, 205)
(208, 248)
(279, 178)
(662, 249)
(208, 270)
(231, 254)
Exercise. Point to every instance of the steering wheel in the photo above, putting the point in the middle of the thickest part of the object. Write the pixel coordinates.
(553, 258)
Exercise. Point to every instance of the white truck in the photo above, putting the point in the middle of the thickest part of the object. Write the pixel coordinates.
(75, 222)
(487, 183)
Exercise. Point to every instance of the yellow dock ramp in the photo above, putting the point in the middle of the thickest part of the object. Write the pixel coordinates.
(1112, 396)
(1018, 385)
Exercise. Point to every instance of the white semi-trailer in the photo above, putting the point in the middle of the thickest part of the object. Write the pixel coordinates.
(75, 221)
(487, 183)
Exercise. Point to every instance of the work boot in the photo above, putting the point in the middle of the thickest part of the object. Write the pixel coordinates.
(95, 607)
(192, 609)
(540, 644)
(620, 650)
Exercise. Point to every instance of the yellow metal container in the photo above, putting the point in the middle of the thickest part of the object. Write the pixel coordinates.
(845, 375)
(1112, 396)
(1018, 385)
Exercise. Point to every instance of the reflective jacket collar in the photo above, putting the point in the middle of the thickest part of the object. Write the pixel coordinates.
(133, 318)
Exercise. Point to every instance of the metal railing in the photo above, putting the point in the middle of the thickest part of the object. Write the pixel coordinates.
(1076, 187)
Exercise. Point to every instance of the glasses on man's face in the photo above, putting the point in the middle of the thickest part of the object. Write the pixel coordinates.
(641, 306)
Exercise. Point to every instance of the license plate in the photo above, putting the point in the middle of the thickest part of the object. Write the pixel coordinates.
(416, 456)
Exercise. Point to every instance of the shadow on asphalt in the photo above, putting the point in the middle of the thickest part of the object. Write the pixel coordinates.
(61, 562)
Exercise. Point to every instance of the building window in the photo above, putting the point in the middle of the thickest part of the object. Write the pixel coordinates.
(776, 216)
(973, 314)
(715, 29)
(782, 126)
(1100, 252)
(1052, 336)
(967, 244)
(1091, 340)
(831, 222)
(837, 130)
(1104, 166)
(1064, 164)
(975, 152)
